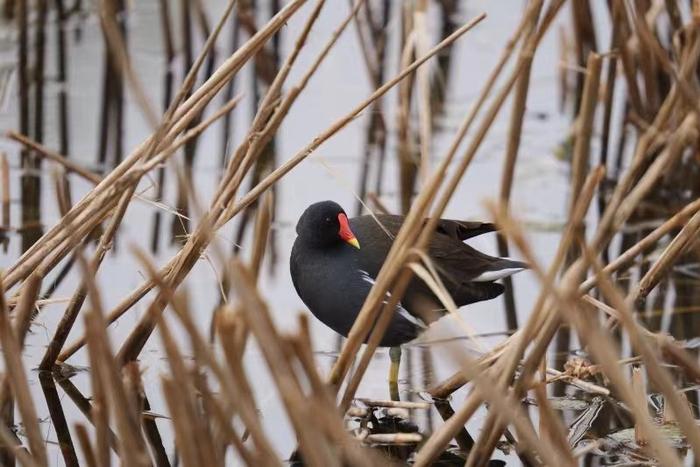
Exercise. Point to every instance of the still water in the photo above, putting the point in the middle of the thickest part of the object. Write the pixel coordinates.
(332, 172)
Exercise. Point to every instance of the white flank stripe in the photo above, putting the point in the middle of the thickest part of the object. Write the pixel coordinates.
(400, 309)
(490, 276)
(410, 318)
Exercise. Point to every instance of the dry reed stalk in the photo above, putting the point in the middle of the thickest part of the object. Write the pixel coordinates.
(144, 288)
(189, 254)
(190, 134)
(406, 139)
(524, 335)
(106, 377)
(18, 382)
(227, 335)
(136, 340)
(227, 433)
(396, 256)
(640, 391)
(685, 134)
(63, 244)
(370, 59)
(65, 162)
(657, 373)
(420, 32)
(94, 414)
(4, 192)
(107, 382)
(646, 243)
(611, 219)
(234, 208)
(120, 57)
(131, 448)
(261, 233)
(627, 59)
(584, 124)
(431, 277)
(235, 384)
(26, 307)
(9, 440)
(599, 343)
(435, 445)
(314, 446)
(23, 314)
(173, 396)
(190, 435)
(267, 118)
(678, 356)
(510, 45)
(239, 398)
(542, 318)
(79, 295)
(601, 237)
(645, 58)
(500, 401)
(680, 243)
(176, 121)
(85, 446)
(114, 315)
(551, 426)
(512, 146)
(350, 449)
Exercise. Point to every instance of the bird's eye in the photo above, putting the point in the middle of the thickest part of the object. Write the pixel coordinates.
(328, 219)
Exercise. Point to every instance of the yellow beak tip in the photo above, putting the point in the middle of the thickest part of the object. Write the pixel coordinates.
(354, 242)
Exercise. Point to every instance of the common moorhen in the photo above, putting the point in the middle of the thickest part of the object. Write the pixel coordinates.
(335, 261)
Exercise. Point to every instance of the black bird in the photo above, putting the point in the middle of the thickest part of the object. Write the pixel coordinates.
(335, 261)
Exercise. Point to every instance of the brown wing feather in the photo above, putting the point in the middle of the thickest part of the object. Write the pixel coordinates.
(456, 262)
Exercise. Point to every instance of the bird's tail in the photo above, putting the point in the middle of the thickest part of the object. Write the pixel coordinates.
(502, 267)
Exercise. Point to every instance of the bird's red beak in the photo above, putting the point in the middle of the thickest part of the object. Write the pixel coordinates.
(345, 233)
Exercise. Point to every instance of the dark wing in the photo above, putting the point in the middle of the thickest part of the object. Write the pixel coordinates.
(456, 262)
(458, 230)
(462, 230)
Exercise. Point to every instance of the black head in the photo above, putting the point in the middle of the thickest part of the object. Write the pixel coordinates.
(325, 224)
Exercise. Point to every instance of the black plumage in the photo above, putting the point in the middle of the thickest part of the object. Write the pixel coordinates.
(333, 277)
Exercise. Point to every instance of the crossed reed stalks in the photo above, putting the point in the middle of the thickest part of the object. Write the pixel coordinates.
(212, 405)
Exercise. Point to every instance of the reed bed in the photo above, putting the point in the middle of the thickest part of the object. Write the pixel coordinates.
(637, 177)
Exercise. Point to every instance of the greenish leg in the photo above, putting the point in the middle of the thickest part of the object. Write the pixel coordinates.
(395, 356)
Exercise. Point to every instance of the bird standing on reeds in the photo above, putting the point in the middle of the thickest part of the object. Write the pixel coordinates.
(335, 261)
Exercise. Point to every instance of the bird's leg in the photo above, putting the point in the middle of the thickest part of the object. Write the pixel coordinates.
(395, 356)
